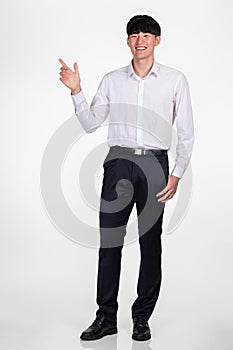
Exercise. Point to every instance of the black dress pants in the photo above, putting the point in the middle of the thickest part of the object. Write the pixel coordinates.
(128, 179)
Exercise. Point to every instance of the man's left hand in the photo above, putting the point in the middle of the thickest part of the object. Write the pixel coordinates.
(169, 191)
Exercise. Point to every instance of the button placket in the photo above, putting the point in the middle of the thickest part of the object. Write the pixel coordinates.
(140, 111)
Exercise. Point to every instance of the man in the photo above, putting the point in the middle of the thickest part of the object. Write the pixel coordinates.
(142, 100)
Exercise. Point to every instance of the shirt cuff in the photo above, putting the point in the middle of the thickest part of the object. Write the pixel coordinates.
(78, 98)
(178, 172)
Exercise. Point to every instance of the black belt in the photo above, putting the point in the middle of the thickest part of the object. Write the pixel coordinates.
(140, 151)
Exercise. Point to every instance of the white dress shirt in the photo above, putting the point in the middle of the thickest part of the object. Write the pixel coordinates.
(142, 110)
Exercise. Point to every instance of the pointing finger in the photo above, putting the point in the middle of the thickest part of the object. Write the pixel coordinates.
(62, 63)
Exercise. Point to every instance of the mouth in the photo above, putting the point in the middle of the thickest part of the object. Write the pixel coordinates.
(140, 48)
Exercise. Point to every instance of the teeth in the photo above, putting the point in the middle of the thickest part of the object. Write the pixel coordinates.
(140, 48)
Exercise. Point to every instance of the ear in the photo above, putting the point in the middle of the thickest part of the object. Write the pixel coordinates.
(157, 40)
(127, 40)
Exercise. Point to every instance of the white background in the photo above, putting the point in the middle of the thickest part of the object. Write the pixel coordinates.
(47, 294)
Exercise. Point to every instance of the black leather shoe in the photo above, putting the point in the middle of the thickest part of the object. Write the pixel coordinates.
(141, 329)
(99, 328)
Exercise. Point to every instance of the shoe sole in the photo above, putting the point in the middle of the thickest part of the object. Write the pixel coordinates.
(146, 337)
(109, 332)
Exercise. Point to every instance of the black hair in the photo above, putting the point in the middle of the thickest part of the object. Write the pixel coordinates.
(144, 24)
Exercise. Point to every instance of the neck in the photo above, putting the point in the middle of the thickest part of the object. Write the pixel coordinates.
(142, 66)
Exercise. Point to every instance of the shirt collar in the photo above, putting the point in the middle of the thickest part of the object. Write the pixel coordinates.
(154, 70)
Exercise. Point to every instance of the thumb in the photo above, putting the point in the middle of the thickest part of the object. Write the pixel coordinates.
(75, 67)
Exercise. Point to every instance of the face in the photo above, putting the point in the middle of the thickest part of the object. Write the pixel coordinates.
(142, 44)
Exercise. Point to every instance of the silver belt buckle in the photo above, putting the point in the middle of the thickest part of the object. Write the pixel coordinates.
(139, 151)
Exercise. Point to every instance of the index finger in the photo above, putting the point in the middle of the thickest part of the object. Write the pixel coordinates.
(62, 63)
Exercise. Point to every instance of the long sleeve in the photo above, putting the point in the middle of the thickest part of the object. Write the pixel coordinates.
(184, 125)
(91, 117)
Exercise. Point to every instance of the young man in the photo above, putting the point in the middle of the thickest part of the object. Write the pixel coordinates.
(142, 100)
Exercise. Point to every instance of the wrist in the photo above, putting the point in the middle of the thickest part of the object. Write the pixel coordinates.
(75, 91)
(176, 177)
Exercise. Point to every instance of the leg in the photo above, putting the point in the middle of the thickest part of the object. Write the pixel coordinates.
(112, 231)
(150, 273)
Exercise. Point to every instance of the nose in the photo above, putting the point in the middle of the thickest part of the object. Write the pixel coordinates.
(140, 38)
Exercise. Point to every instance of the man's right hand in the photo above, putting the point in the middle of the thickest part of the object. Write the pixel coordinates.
(70, 78)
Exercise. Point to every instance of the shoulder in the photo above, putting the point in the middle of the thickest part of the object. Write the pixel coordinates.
(116, 73)
(168, 71)
(173, 76)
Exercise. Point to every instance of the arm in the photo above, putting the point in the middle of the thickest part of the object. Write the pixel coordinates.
(90, 117)
(184, 125)
(185, 132)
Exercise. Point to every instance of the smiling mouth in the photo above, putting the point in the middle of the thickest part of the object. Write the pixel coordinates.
(141, 48)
